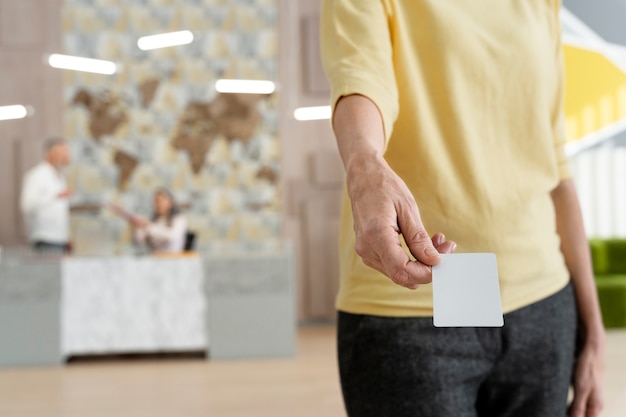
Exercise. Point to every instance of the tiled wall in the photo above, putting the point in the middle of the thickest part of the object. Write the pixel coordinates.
(159, 121)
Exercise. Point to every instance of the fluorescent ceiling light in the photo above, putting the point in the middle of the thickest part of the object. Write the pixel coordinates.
(312, 113)
(16, 111)
(165, 40)
(245, 86)
(76, 63)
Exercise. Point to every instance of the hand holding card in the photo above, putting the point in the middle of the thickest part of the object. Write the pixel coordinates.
(466, 292)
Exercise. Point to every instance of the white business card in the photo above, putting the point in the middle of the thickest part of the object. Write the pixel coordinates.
(466, 292)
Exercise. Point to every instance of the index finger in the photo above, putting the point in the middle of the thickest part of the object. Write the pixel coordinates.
(415, 235)
(397, 264)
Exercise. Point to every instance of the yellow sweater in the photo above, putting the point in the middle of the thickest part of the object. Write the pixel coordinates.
(470, 93)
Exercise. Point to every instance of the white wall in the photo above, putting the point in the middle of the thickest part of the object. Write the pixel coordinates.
(600, 176)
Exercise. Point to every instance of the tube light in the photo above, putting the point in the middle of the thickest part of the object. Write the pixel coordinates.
(245, 86)
(312, 113)
(165, 40)
(16, 111)
(76, 63)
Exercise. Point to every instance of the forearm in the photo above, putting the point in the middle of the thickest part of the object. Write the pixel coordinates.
(575, 250)
(359, 131)
(382, 205)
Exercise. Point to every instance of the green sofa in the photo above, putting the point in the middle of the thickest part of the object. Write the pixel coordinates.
(609, 265)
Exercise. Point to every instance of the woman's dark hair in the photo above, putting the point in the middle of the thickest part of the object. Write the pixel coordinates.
(174, 210)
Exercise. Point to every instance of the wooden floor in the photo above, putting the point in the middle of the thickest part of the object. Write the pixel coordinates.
(304, 386)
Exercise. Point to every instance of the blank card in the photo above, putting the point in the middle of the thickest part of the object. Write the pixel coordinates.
(466, 292)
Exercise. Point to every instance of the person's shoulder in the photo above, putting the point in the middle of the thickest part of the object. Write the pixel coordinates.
(42, 168)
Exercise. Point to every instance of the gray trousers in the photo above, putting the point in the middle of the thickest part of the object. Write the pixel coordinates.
(405, 367)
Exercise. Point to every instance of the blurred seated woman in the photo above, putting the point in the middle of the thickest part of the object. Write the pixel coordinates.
(167, 229)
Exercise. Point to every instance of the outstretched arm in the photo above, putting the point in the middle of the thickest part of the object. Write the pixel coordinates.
(382, 205)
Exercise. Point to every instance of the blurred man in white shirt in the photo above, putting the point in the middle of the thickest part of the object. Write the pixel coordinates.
(45, 200)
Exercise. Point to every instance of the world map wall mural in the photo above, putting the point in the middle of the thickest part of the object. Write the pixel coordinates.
(159, 121)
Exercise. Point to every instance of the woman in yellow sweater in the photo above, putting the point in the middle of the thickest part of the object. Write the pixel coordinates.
(448, 118)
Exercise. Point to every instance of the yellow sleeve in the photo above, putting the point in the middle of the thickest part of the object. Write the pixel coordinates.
(357, 54)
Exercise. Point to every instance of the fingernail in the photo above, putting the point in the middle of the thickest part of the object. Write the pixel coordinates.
(430, 251)
(453, 247)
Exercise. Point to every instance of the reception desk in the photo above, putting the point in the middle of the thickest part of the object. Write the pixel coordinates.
(227, 305)
(132, 304)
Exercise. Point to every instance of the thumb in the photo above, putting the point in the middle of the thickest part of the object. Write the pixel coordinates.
(417, 239)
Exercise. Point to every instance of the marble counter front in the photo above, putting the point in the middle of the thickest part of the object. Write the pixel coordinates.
(132, 304)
